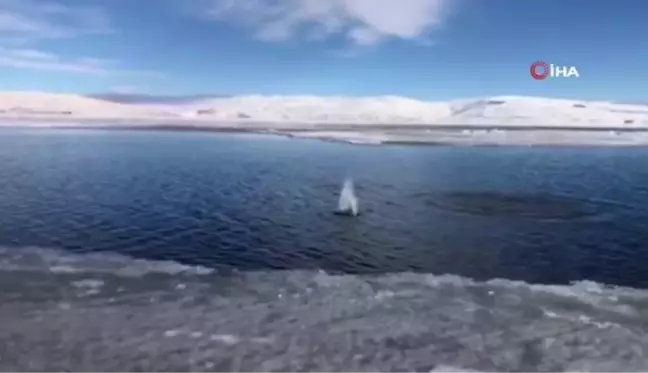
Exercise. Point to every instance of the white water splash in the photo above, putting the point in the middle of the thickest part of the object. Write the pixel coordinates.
(348, 201)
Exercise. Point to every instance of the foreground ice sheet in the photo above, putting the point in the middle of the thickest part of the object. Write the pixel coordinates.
(107, 312)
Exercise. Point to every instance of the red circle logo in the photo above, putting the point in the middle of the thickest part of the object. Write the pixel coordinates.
(539, 70)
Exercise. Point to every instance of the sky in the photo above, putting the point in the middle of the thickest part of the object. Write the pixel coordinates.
(424, 49)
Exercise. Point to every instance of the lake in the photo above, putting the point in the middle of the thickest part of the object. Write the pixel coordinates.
(125, 250)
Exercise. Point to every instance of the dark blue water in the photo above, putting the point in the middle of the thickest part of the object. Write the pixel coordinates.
(543, 215)
(158, 251)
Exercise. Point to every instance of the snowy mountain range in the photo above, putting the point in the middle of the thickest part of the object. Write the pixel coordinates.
(296, 110)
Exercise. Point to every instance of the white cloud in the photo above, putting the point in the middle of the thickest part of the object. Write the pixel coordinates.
(363, 22)
(23, 23)
(40, 60)
(28, 20)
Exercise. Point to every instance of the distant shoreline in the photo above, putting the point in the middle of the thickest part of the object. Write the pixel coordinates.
(376, 135)
(249, 126)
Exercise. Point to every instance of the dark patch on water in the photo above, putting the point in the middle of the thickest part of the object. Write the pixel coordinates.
(520, 205)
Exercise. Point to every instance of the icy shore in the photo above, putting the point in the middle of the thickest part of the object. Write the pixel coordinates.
(114, 313)
(491, 120)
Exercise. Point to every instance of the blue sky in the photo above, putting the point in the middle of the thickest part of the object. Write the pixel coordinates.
(427, 49)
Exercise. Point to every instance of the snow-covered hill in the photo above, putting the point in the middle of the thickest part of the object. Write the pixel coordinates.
(366, 110)
(502, 110)
(69, 106)
(544, 111)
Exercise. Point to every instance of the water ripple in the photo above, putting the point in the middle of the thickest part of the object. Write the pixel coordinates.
(257, 204)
